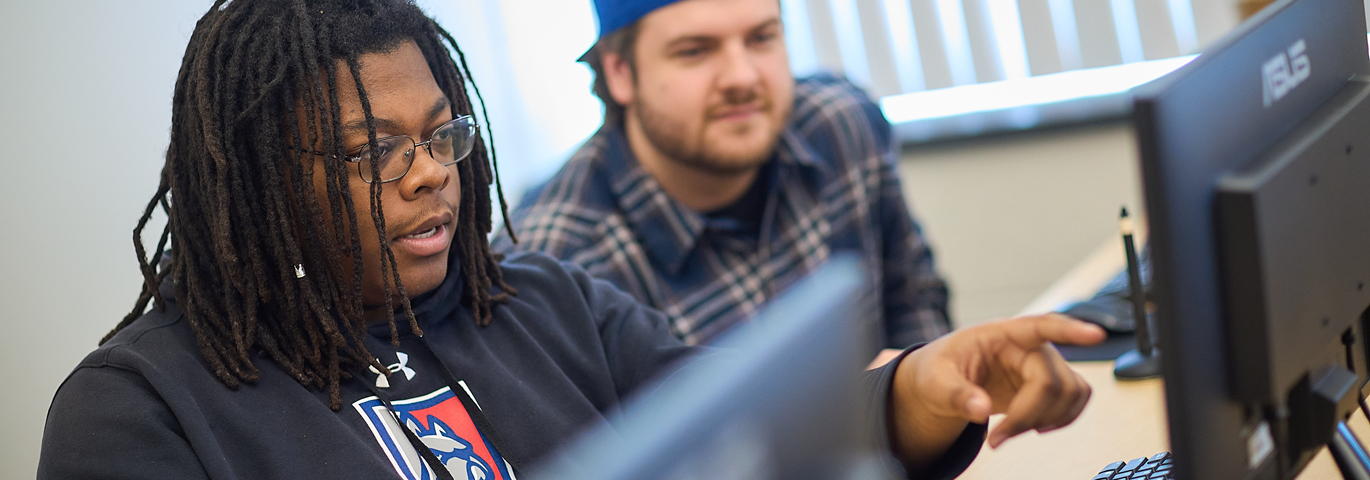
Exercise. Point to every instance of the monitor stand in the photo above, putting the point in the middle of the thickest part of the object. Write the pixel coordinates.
(1349, 454)
(1135, 365)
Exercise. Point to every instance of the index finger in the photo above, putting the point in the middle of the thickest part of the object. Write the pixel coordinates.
(1053, 328)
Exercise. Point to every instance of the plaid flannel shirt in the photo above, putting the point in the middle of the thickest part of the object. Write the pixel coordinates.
(833, 188)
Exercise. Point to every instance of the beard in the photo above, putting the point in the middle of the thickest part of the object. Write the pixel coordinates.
(737, 152)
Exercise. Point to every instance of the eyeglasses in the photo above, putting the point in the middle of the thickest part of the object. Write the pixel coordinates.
(450, 143)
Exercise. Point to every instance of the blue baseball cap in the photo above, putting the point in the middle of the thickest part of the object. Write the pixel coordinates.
(616, 14)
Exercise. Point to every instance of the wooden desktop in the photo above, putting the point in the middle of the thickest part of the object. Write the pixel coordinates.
(1124, 419)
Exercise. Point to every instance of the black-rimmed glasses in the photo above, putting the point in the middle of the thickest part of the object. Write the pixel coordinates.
(450, 143)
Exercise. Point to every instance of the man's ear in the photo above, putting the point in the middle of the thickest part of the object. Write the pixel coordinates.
(618, 76)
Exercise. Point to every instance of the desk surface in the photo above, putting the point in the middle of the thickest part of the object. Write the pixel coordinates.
(1123, 421)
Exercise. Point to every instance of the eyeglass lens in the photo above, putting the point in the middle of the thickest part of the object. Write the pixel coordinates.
(449, 144)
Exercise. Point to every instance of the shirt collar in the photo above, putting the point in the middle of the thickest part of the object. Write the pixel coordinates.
(667, 229)
(437, 303)
(794, 150)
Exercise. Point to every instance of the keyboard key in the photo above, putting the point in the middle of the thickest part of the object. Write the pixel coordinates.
(1155, 467)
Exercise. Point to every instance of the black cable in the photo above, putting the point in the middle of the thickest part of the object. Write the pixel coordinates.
(1348, 339)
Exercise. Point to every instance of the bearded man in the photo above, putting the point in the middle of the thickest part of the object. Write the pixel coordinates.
(718, 179)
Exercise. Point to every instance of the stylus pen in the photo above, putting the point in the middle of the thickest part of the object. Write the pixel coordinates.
(1134, 280)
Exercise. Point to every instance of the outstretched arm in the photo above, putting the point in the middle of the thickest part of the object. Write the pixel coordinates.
(1005, 367)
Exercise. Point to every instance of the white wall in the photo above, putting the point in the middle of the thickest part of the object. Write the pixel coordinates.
(85, 95)
(1008, 215)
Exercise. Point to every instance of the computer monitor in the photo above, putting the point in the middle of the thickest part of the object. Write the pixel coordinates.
(778, 399)
(1256, 168)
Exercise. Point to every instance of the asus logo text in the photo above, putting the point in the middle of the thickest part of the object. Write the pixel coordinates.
(1282, 72)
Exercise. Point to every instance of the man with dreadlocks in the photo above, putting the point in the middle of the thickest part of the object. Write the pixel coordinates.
(327, 305)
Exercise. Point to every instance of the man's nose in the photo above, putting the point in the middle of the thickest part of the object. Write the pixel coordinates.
(739, 68)
(426, 171)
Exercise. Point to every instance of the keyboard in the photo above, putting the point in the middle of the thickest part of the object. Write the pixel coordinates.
(1155, 467)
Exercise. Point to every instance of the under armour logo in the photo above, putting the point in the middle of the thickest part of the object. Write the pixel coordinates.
(401, 366)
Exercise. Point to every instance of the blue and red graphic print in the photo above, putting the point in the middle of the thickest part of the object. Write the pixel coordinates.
(441, 421)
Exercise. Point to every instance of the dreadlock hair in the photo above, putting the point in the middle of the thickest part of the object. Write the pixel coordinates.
(240, 203)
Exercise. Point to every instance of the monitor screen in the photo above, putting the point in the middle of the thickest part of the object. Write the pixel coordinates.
(778, 399)
(1256, 165)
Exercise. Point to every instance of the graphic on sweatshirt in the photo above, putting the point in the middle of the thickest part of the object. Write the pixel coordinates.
(442, 423)
(401, 366)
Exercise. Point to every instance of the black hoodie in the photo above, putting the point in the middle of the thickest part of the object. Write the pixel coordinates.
(555, 360)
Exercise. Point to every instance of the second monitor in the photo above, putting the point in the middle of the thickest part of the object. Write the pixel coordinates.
(1256, 164)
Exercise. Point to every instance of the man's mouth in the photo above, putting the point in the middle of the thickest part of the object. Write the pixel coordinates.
(426, 242)
(424, 234)
(740, 112)
(428, 228)
(737, 112)
(430, 237)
